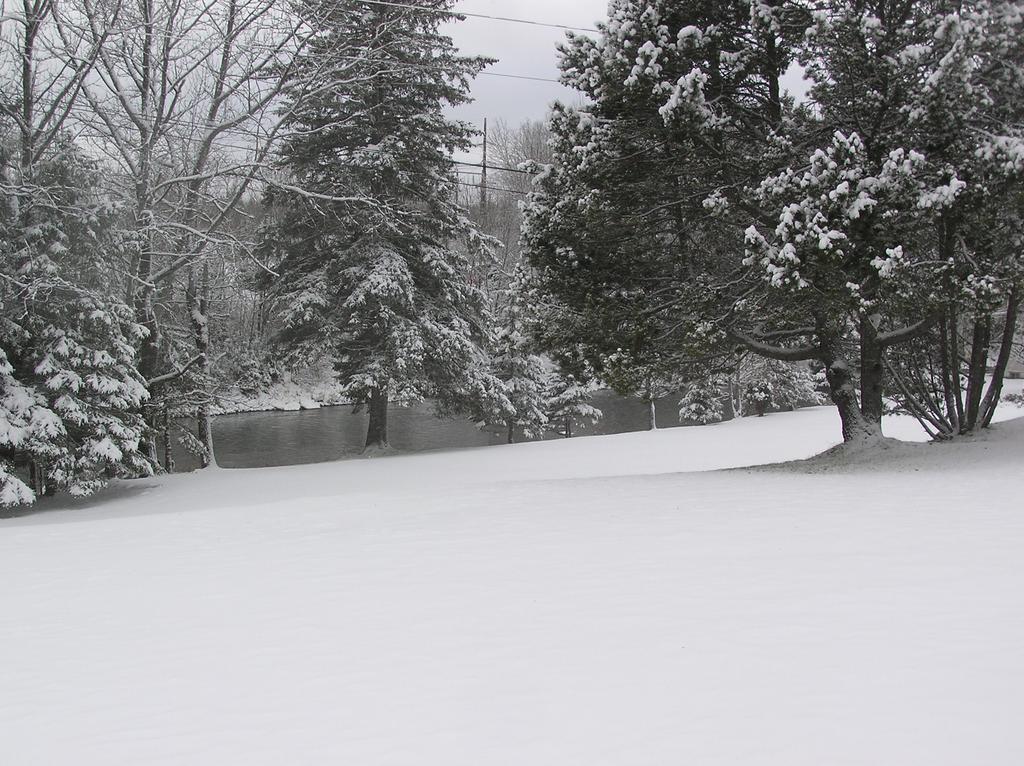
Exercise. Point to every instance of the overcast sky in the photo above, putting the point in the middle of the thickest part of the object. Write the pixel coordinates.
(521, 50)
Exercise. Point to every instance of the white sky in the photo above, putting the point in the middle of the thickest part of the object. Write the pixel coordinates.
(521, 50)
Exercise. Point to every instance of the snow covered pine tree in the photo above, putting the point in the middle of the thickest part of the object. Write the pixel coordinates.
(371, 245)
(521, 370)
(887, 207)
(70, 393)
(625, 229)
(568, 403)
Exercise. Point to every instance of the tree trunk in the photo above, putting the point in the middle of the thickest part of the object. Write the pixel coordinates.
(731, 397)
(949, 368)
(652, 415)
(871, 372)
(568, 428)
(995, 387)
(954, 355)
(511, 432)
(37, 478)
(843, 392)
(195, 296)
(950, 328)
(149, 354)
(377, 429)
(168, 448)
(773, 74)
(205, 433)
(980, 341)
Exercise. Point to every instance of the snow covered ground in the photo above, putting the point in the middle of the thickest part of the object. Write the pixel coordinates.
(594, 601)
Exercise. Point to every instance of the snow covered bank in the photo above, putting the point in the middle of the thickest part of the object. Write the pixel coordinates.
(550, 603)
(307, 393)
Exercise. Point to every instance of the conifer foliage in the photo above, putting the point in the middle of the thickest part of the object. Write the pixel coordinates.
(522, 372)
(568, 404)
(372, 246)
(692, 208)
(70, 393)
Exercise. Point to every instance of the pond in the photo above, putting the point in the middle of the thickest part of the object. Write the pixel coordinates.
(262, 439)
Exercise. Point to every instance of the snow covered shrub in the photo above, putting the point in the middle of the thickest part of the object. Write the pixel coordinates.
(759, 397)
(702, 402)
(525, 380)
(568, 403)
(795, 385)
(256, 374)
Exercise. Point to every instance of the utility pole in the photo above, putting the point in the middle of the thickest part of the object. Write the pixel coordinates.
(483, 176)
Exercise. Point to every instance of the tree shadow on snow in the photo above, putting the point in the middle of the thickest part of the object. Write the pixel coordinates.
(52, 506)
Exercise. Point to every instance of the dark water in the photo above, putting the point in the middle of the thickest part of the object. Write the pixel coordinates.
(260, 439)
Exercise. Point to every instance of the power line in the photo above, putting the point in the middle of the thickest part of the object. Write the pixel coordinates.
(520, 77)
(489, 166)
(488, 17)
(397, 64)
(240, 131)
(461, 163)
(252, 44)
(493, 188)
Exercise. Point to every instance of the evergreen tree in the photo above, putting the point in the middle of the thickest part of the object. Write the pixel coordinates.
(691, 208)
(964, 113)
(893, 229)
(371, 244)
(70, 393)
(791, 385)
(521, 371)
(568, 403)
(628, 229)
(759, 396)
(702, 401)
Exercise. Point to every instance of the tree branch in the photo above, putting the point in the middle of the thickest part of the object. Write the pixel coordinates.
(891, 338)
(782, 353)
(167, 377)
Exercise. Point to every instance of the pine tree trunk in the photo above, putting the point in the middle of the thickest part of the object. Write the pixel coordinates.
(871, 372)
(377, 429)
(980, 342)
(949, 368)
(730, 410)
(954, 355)
(856, 427)
(37, 478)
(168, 448)
(844, 397)
(949, 329)
(511, 432)
(995, 387)
(568, 428)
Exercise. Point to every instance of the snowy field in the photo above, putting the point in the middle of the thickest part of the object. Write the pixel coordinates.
(577, 603)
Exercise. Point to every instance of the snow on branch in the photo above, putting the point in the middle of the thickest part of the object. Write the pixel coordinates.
(782, 353)
(167, 377)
